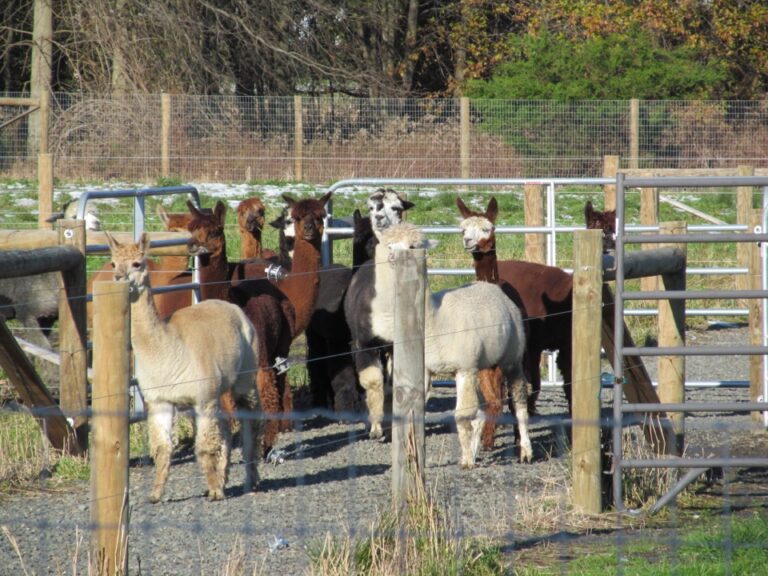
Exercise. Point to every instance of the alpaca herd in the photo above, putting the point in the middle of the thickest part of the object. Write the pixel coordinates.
(488, 334)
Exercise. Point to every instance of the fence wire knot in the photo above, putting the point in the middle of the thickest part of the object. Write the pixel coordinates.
(275, 272)
(276, 456)
(281, 365)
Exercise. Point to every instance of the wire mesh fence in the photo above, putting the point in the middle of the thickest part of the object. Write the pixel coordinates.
(319, 139)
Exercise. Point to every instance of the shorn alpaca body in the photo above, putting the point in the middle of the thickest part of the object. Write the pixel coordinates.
(543, 294)
(467, 329)
(188, 361)
(331, 367)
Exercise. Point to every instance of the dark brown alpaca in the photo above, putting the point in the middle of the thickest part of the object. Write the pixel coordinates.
(543, 294)
(279, 311)
(605, 221)
(250, 219)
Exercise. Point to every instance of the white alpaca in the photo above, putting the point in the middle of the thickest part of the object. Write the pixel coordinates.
(188, 361)
(469, 328)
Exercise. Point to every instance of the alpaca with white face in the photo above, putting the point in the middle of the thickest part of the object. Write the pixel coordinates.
(467, 329)
(385, 208)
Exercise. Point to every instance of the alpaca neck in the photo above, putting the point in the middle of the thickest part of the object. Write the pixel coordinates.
(214, 275)
(147, 328)
(486, 266)
(302, 285)
(250, 244)
(171, 263)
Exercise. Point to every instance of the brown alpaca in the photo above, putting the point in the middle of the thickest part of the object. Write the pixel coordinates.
(279, 311)
(250, 219)
(543, 294)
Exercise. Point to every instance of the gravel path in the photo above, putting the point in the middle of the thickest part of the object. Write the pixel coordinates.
(332, 480)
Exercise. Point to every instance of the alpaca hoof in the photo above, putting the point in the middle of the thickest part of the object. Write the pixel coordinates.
(214, 495)
(155, 497)
(376, 433)
(526, 454)
(467, 464)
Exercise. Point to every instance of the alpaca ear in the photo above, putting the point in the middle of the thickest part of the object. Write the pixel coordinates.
(193, 209)
(143, 244)
(407, 204)
(462, 207)
(162, 213)
(288, 200)
(588, 211)
(493, 210)
(325, 197)
(356, 216)
(279, 222)
(220, 211)
(113, 244)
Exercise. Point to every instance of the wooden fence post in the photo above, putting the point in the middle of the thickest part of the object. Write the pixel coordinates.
(610, 169)
(649, 216)
(743, 209)
(672, 333)
(634, 133)
(298, 139)
(464, 140)
(72, 332)
(44, 189)
(165, 134)
(535, 244)
(110, 449)
(756, 312)
(408, 395)
(587, 314)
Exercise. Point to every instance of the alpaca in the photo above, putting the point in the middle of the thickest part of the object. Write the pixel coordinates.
(332, 376)
(286, 238)
(605, 221)
(187, 361)
(543, 294)
(250, 219)
(467, 329)
(279, 311)
(34, 300)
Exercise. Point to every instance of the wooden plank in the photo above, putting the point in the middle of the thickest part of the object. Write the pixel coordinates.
(408, 401)
(587, 303)
(31, 239)
(35, 395)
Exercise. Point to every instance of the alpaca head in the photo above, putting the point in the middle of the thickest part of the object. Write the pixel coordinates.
(403, 236)
(129, 262)
(385, 208)
(206, 231)
(605, 221)
(363, 239)
(69, 212)
(250, 216)
(479, 228)
(308, 217)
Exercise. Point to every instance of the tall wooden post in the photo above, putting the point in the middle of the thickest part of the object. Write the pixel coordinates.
(110, 450)
(586, 328)
(610, 169)
(44, 189)
(40, 72)
(408, 395)
(298, 139)
(72, 333)
(165, 134)
(464, 140)
(743, 210)
(755, 306)
(634, 132)
(535, 244)
(649, 216)
(672, 333)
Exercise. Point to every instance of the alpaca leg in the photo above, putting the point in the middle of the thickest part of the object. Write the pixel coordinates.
(491, 387)
(469, 417)
(564, 364)
(372, 380)
(286, 402)
(160, 426)
(532, 361)
(212, 450)
(252, 426)
(519, 394)
(266, 383)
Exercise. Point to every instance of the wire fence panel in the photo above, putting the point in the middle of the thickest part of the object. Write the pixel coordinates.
(320, 139)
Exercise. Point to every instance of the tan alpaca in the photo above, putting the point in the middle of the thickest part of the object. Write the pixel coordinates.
(188, 361)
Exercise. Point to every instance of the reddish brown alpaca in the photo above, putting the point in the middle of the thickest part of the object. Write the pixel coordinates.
(543, 294)
(278, 313)
(167, 271)
(250, 219)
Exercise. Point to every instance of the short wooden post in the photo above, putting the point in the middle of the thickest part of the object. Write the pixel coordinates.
(743, 209)
(535, 244)
(44, 189)
(756, 312)
(464, 132)
(165, 134)
(649, 216)
(73, 333)
(634, 133)
(671, 370)
(408, 395)
(586, 335)
(298, 139)
(110, 449)
(610, 169)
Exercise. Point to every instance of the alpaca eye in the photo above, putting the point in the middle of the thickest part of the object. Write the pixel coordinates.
(135, 265)
(113, 265)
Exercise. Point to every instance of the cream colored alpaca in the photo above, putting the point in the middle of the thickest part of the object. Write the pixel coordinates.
(186, 362)
(469, 328)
